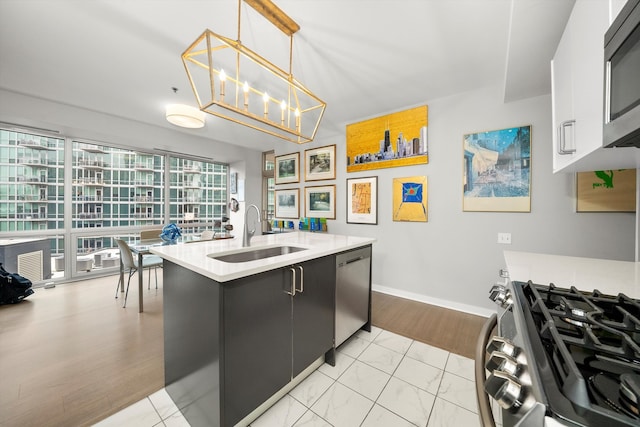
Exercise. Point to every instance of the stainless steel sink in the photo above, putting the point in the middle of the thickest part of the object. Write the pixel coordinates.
(256, 254)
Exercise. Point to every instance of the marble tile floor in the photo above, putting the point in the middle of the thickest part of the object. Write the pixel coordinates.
(381, 379)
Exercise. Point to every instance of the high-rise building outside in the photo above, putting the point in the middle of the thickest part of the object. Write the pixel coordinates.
(109, 188)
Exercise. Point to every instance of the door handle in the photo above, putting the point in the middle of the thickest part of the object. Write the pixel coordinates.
(293, 282)
(301, 281)
(607, 93)
(562, 142)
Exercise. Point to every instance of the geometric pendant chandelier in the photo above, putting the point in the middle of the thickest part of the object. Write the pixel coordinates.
(233, 82)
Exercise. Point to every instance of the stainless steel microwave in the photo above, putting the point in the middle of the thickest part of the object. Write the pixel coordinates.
(622, 79)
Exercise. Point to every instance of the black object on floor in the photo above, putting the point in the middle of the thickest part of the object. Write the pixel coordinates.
(13, 287)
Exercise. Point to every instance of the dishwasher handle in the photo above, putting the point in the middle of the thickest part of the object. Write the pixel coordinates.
(352, 256)
(342, 264)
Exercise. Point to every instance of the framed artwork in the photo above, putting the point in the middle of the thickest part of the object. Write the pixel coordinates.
(362, 200)
(497, 170)
(287, 203)
(397, 139)
(320, 163)
(320, 201)
(288, 168)
(606, 191)
(410, 199)
(233, 182)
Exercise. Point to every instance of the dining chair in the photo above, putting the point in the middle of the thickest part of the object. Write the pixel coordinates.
(207, 235)
(130, 264)
(150, 234)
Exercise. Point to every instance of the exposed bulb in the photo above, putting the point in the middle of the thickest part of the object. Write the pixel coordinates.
(283, 105)
(223, 76)
(246, 87)
(265, 97)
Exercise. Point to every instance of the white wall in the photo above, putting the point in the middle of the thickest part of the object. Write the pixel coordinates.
(453, 259)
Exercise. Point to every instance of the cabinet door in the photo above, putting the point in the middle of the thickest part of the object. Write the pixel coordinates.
(313, 311)
(590, 21)
(577, 83)
(562, 99)
(257, 342)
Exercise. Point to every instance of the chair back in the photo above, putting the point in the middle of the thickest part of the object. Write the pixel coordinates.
(207, 235)
(150, 234)
(126, 255)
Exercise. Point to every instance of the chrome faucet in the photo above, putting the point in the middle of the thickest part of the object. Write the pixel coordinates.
(247, 235)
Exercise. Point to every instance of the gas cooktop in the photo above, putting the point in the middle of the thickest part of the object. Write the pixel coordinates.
(587, 348)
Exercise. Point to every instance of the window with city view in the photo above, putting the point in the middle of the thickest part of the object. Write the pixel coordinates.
(113, 193)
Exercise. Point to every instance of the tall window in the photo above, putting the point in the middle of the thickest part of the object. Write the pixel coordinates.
(198, 193)
(268, 187)
(113, 187)
(113, 192)
(31, 182)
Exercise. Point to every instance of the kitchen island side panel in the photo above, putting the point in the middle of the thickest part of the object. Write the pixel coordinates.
(257, 342)
(192, 343)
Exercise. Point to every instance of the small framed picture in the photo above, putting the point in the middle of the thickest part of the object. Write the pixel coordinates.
(320, 163)
(606, 191)
(288, 168)
(362, 200)
(320, 201)
(233, 182)
(410, 199)
(287, 203)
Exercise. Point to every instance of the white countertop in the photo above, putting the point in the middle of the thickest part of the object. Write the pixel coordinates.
(194, 255)
(587, 274)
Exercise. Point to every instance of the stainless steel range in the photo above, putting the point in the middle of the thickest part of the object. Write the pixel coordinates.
(560, 357)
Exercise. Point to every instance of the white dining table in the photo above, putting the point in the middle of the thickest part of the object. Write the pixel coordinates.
(142, 248)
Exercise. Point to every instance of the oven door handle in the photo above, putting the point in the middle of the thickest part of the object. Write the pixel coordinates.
(484, 407)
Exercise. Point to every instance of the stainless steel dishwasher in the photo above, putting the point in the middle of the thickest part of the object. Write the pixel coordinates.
(353, 292)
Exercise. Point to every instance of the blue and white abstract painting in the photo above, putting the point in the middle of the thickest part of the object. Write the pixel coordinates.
(497, 170)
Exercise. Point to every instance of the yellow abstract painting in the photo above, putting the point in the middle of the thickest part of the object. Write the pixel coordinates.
(410, 199)
(362, 200)
(397, 139)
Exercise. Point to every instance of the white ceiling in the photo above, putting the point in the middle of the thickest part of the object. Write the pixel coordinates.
(363, 57)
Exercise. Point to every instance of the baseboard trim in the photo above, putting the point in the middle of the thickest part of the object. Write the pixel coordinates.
(465, 308)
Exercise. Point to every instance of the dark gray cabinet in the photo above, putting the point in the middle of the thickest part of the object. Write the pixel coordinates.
(230, 346)
(257, 342)
(313, 311)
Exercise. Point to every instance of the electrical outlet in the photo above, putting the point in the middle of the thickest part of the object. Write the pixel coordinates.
(504, 238)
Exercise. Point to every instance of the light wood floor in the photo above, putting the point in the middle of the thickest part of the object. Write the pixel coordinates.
(71, 356)
(451, 330)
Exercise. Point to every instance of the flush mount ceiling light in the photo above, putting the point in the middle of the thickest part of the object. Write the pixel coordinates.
(185, 116)
(233, 82)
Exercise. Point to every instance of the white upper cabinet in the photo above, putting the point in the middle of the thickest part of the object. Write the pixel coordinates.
(577, 92)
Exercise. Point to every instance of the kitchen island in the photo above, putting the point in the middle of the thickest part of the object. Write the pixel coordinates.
(239, 335)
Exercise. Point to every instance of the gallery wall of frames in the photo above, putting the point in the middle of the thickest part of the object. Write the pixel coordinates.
(496, 176)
